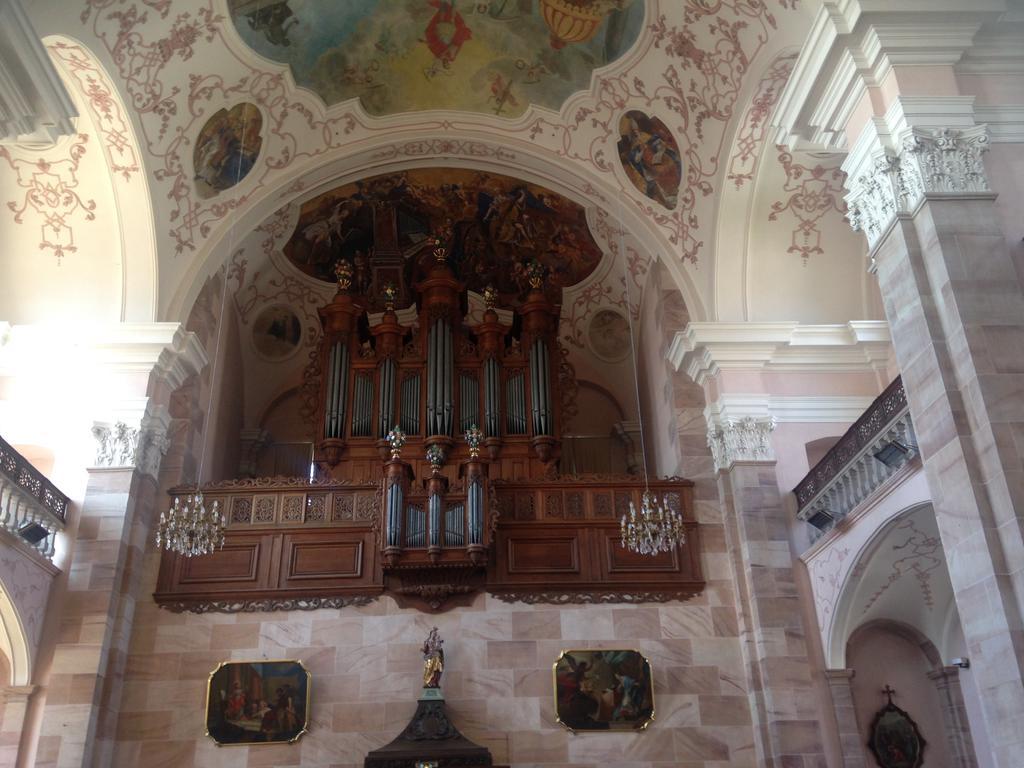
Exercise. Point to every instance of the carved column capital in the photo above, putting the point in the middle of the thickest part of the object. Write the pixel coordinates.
(121, 444)
(887, 177)
(944, 161)
(741, 439)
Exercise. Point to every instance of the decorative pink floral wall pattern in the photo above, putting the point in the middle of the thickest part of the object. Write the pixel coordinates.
(50, 193)
(754, 128)
(813, 191)
(825, 573)
(112, 124)
(920, 554)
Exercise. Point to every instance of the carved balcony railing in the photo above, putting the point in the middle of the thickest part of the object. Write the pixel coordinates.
(31, 507)
(877, 446)
(292, 544)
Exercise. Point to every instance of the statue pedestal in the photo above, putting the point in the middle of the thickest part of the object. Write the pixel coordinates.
(430, 737)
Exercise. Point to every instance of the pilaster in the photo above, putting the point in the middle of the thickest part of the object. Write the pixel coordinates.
(954, 717)
(850, 741)
(138, 369)
(956, 307)
(14, 701)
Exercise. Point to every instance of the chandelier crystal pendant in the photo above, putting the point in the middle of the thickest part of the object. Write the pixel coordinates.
(652, 530)
(189, 528)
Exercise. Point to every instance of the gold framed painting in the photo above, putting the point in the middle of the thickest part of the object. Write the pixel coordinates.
(603, 690)
(257, 702)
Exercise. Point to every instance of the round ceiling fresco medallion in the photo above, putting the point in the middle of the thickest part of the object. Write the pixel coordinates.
(227, 148)
(277, 332)
(491, 56)
(650, 157)
(494, 226)
(609, 335)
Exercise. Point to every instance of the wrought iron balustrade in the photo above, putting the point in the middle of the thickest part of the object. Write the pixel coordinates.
(31, 507)
(873, 449)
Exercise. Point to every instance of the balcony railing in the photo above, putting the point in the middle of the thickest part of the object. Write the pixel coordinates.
(878, 444)
(31, 507)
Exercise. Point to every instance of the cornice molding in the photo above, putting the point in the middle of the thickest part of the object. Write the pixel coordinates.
(35, 108)
(703, 349)
(854, 45)
(789, 409)
(167, 349)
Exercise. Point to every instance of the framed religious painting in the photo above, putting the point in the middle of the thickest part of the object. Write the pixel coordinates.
(257, 702)
(894, 738)
(603, 690)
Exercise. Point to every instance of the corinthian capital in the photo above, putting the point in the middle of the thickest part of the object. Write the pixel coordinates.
(743, 439)
(945, 161)
(119, 444)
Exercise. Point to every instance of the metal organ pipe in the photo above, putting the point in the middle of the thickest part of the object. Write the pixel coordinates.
(431, 378)
(546, 384)
(434, 512)
(541, 389)
(492, 415)
(387, 397)
(395, 504)
(448, 406)
(337, 385)
(475, 499)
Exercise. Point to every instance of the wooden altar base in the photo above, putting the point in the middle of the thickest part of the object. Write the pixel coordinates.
(430, 737)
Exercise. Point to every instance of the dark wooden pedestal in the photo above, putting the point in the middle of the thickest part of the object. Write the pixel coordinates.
(430, 737)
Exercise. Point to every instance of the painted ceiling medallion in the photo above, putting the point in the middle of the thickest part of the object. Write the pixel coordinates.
(495, 225)
(650, 157)
(609, 335)
(227, 148)
(493, 56)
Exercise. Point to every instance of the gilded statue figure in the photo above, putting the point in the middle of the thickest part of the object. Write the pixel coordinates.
(433, 660)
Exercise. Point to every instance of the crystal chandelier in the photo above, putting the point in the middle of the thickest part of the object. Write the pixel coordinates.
(652, 530)
(190, 528)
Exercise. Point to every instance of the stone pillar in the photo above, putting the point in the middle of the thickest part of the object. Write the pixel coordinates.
(954, 717)
(83, 690)
(850, 740)
(14, 701)
(955, 305)
(782, 699)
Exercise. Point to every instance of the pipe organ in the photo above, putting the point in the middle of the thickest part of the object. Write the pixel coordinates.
(438, 430)
(438, 375)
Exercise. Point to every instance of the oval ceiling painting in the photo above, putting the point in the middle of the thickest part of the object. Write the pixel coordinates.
(495, 226)
(609, 335)
(227, 148)
(650, 157)
(492, 56)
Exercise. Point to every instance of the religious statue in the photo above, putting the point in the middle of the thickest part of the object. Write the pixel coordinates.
(433, 660)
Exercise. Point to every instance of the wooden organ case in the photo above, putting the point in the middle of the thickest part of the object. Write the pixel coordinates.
(433, 521)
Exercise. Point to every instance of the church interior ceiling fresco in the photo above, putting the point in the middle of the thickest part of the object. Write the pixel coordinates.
(494, 225)
(495, 57)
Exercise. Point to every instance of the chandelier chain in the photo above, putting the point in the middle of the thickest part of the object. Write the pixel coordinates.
(656, 527)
